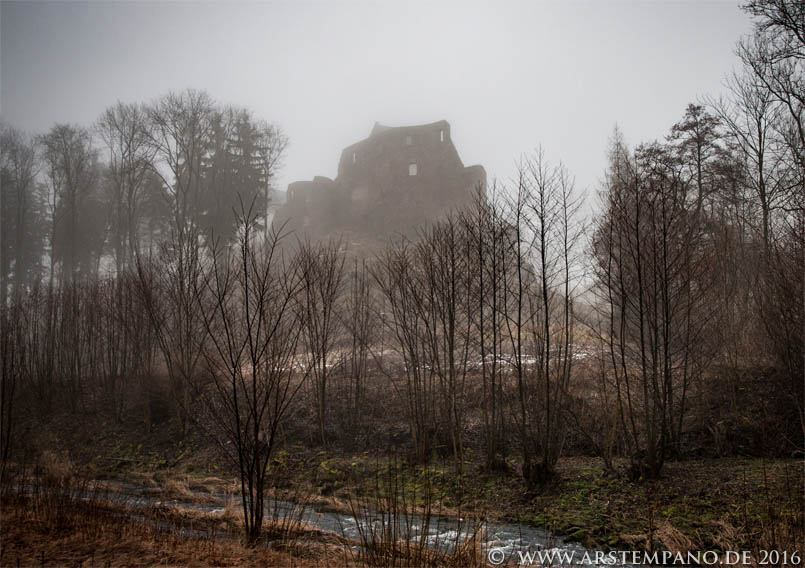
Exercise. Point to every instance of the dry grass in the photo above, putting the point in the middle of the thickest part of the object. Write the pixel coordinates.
(70, 523)
(665, 537)
(182, 490)
(210, 485)
(144, 479)
(394, 528)
(135, 544)
(56, 465)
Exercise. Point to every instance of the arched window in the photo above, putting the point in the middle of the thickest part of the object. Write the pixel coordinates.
(411, 169)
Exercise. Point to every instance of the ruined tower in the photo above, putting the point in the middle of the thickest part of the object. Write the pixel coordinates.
(393, 182)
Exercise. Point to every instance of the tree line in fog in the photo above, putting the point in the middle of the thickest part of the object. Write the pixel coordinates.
(79, 202)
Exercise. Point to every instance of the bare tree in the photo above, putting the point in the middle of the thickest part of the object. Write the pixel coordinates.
(447, 310)
(12, 353)
(247, 301)
(70, 169)
(179, 136)
(322, 271)
(22, 223)
(485, 229)
(398, 279)
(359, 321)
(750, 116)
(775, 55)
(774, 74)
(651, 256)
(167, 282)
(545, 211)
(123, 128)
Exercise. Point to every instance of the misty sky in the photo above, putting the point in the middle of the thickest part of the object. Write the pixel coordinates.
(508, 76)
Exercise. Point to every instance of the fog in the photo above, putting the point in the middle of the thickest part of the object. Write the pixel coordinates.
(508, 76)
(537, 262)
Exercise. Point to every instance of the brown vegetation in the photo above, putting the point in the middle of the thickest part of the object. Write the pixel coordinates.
(482, 342)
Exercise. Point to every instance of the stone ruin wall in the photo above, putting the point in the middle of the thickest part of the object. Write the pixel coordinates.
(393, 182)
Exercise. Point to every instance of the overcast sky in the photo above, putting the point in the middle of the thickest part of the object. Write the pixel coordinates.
(508, 76)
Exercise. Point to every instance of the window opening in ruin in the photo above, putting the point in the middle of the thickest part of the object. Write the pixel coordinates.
(408, 141)
(412, 169)
(441, 136)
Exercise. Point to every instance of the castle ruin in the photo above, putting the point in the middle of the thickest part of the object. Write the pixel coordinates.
(392, 183)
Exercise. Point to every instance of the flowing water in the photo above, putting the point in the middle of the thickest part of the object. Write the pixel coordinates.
(504, 543)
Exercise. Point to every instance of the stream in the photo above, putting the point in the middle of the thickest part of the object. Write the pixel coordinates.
(504, 543)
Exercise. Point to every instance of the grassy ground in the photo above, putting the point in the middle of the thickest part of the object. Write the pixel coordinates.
(69, 522)
(84, 539)
(716, 504)
(720, 504)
